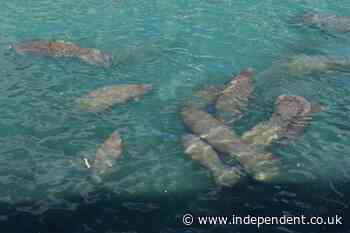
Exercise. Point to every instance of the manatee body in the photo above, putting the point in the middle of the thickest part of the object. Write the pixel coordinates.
(234, 98)
(63, 49)
(304, 64)
(287, 122)
(202, 152)
(262, 165)
(107, 155)
(301, 65)
(203, 98)
(105, 97)
(327, 22)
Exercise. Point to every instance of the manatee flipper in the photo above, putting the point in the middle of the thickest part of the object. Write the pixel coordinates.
(202, 152)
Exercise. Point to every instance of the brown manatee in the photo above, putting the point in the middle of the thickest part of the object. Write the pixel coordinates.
(106, 156)
(202, 98)
(327, 22)
(234, 98)
(63, 49)
(202, 152)
(105, 97)
(262, 165)
(292, 114)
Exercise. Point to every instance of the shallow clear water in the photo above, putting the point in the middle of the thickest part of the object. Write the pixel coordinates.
(178, 47)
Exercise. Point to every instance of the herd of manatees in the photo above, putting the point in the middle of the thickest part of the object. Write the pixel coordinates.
(213, 143)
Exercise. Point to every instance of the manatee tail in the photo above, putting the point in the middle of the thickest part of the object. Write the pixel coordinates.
(341, 66)
(97, 58)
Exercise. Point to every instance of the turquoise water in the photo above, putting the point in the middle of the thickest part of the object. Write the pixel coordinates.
(178, 47)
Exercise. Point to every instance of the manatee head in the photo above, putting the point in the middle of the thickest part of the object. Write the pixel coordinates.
(248, 72)
(290, 106)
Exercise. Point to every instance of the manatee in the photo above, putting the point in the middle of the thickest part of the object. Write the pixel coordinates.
(301, 65)
(106, 156)
(205, 97)
(63, 49)
(262, 165)
(202, 152)
(304, 64)
(291, 115)
(327, 22)
(95, 57)
(105, 97)
(234, 98)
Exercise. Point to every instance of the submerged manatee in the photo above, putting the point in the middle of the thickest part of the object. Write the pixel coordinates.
(63, 49)
(203, 98)
(200, 151)
(234, 98)
(291, 116)
(262, 165)
(301, 65)
(107, 155)
(327, 22)
(304, 64)
(105, 97)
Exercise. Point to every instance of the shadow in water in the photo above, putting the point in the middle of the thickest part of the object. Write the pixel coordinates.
(103, 211)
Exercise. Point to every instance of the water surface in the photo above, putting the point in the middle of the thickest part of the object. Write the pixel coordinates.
(178, 47)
